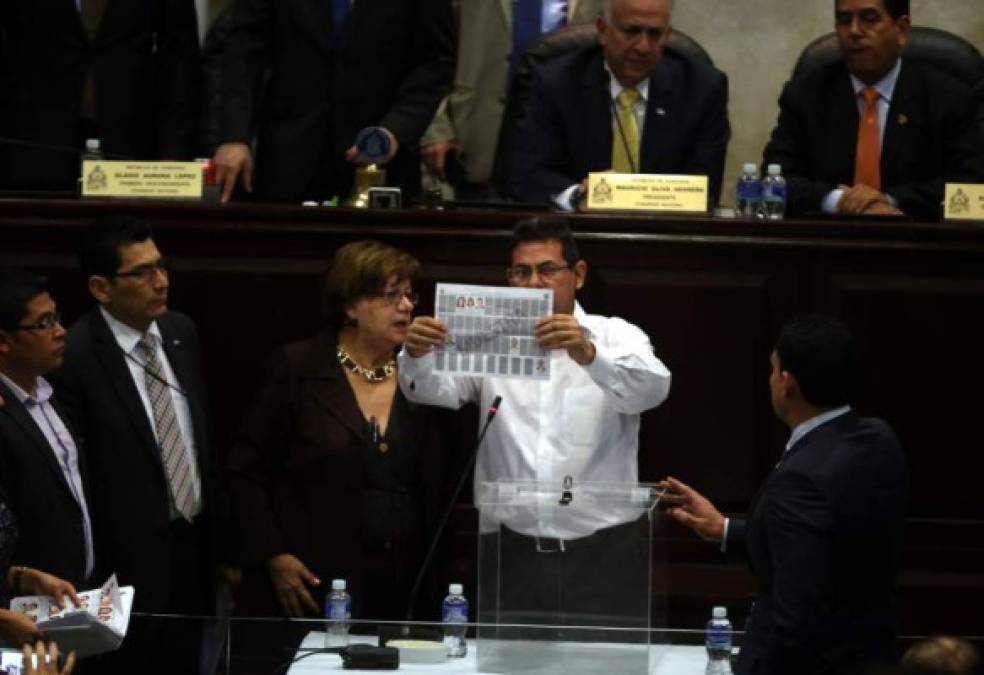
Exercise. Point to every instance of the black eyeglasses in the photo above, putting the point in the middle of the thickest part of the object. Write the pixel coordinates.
(146, 272)
(523, 273)
(46, 322)
(395, 296)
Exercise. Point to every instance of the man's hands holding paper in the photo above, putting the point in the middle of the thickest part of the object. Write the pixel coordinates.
(557, 331)
(562, 331)
(424, 334)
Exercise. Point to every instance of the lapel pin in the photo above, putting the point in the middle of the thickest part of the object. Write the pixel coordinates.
(903, 120)
(660, 111)
(176, 342)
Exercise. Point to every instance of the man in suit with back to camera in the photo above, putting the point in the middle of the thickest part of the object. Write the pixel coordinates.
(493, 35)
(42, 467)
(624, 104)
(305, 76)
(127, 73)
(824, 534)
(133, 385)
(875, 133)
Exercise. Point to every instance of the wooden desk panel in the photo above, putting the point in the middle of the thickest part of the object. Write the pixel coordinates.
(710, 293)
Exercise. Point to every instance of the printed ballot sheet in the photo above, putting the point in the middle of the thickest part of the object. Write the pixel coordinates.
(490, 330)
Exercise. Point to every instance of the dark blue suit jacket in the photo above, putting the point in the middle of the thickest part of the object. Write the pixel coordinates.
(49, 519)
(931, 135)
(568, 132)
(824, 538)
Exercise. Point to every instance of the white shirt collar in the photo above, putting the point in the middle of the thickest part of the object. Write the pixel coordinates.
(42, 390)
(885, 86)
(127, 336)
(803, 428)
(615, 87)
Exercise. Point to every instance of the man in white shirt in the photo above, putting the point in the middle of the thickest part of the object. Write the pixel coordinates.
(583, 422)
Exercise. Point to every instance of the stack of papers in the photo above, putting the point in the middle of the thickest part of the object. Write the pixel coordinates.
(98, 626)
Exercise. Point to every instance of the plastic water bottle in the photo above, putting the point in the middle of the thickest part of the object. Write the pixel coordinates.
(455, 616)
(718, 642)
(338, 611)
(774, 193)
(749, 193)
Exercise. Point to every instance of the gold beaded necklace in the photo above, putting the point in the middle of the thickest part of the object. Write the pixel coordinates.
(374, 375)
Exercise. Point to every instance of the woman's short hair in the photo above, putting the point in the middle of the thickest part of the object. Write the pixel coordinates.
(360, 270)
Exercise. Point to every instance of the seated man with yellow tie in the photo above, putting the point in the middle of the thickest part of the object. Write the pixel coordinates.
(874, 133)
(624, 104)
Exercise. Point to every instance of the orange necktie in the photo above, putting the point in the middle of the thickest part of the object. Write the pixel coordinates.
(867, 163)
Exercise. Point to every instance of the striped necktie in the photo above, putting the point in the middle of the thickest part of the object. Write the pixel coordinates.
(180, 473)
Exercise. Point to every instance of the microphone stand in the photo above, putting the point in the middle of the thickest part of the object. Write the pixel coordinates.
(493, 411)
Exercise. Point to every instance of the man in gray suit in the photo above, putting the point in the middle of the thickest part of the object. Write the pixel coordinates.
(492, 37)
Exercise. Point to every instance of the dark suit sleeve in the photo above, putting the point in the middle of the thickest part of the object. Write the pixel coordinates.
(711, 145)
(541, 161)
(237, 58)
(788, 147)
(180, 80)
(430, 77)
(962, 153)
(797, 519)
(256, 463)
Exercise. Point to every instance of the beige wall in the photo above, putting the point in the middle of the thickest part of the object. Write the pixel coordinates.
(756, 43)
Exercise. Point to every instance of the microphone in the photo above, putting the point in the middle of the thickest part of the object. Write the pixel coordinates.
(156, 376)
(492, 412)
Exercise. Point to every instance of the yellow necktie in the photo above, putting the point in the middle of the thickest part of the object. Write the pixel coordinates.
(867, 163)
(625, 134)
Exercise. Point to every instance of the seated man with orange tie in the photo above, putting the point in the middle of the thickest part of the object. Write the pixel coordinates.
(874, 133)
(624, 104)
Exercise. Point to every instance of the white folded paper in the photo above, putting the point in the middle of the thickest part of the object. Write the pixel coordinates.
(98, 626)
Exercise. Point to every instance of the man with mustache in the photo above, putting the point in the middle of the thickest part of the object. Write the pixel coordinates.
(874, 132)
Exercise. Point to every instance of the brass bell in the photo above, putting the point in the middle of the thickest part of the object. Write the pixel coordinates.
(365, 177)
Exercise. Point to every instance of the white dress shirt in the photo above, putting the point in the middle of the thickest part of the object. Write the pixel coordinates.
(63, 446)
(583, 422)
(127, 338)
(562, 200)
(886, 89)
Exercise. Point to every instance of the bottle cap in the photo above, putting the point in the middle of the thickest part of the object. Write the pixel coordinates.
(751, 168)
(720, 612)
(338, 584)
(456, 589)
(775, 170)
(92, 144)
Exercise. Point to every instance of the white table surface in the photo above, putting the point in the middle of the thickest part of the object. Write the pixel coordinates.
(676, 660)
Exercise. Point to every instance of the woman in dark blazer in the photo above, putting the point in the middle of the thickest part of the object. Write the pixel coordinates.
(334, 474)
